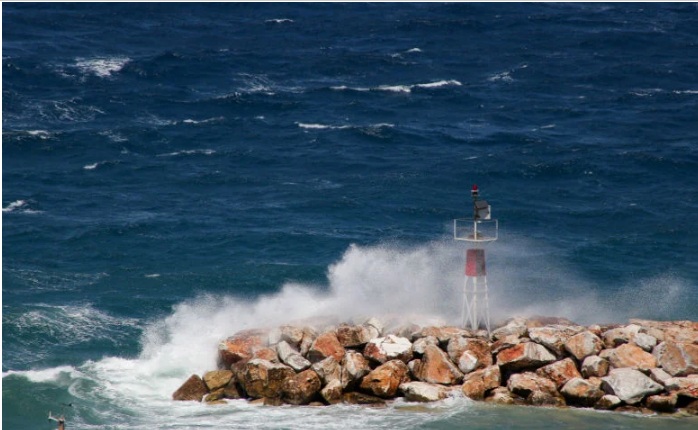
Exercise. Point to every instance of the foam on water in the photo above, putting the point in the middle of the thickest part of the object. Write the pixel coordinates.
(400, 88)
(102, 67)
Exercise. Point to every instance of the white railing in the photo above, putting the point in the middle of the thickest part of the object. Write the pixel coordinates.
(475, 231)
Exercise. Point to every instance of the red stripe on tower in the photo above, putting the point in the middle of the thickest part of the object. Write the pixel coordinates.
(475, 262)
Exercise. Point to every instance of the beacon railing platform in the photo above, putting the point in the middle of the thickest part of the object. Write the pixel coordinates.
(475, 230)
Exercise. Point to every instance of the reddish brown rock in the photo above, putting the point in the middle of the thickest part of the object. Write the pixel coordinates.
(326, 345)
(578, 391)
(583, 344)
(268, 354)
(685, 386)
(514, 327)
(419, 345)
(524, 356)
(217, 379)
(290, 357)
(436, 368)
(232, 390)
(193, 389)
(670, 331)
(385, 380)
(214, 397)
(469, 353)
(678, 359)
(382, 349)
(594, 365)
(553, 337)
(476, 384)
(536, 389)
(352, 336)
(507, 342)
(617, 336)
(291, 334)
(502, 396)
(631, 356)
(662, 403)
(262, 378)
(608, 402)
(309, 336)
(301, 388)
(560, 372)
(355, 398)
(240, 347)
(332, 392)
(328, 370)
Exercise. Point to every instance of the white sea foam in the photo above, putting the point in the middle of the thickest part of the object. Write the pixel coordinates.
(41, 134)
(686, 92)
(203, 121)
(91, 166)
(102, 67)
(279, 20)
(313, 126)
(503, 76)
(414, 50)
(43, 375)
(14, 205)
(406, 89)
(188, 152)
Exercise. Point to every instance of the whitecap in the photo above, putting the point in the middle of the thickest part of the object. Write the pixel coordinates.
(91, 166)
(279, 20)
(322, 126)
(42, 375)
(405, 89)
(686, 92)
(14, 205)
(202, 121)
(547, 126)
(414, 50)
(41, 134)
(188, 152)
(152, 275)
(504, 77)
(102, 67)
(439, 84)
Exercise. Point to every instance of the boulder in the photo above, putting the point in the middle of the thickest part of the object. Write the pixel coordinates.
(193, 388)
(261, 378)
(502, 396)
(354, 336)
(630, 355)
(421, 344)
(309, 336)
(332, 392)
(537, 390)
(553, 337)
(524, 356)
(214, 397)
(608, 402)
(436, 368)
(630, 385)
(619, 335)
(240, 347)
(382, 349)
(670, 331)
(355, 398)
(354, 367)
(268, 354)
(662, 403)
(292, 335)
(594, 365)
(684, 386)
(692, 408)
(659, 375)
(560, 372)
(516, 327)
(507, 342)
(645, 341)
(583, 344)
(385, 379)
(476, 384)
(300, 389)
(678, 359)
(326, 345)
(469, 353)
(328, 370)
(443, 334)
(291, 357)
(578, 391)
(217, 379)
(232, 390)
(423, 391)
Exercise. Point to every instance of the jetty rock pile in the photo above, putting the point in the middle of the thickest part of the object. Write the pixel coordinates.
(643, 366)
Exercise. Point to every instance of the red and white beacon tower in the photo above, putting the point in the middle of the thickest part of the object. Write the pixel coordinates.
(478, 231)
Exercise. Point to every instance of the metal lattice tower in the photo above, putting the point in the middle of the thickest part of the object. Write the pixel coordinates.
(478, 231)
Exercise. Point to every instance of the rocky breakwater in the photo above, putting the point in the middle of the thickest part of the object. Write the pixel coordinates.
(643, 366)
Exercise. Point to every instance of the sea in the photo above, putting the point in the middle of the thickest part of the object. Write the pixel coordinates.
(175, 172)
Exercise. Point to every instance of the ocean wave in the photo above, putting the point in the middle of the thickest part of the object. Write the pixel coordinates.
(21, 206)
(68, 325)
(314, 126)
(692, 92)
(188, 152)
(278, 20)
(102, 67)
(202, 121)
(401, 88)
(44, 375)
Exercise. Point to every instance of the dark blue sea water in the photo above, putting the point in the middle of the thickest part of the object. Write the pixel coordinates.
(172, 173)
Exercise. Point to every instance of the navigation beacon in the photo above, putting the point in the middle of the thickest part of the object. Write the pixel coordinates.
(478, 231)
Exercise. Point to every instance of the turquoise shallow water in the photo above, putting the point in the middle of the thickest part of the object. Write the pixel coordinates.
(173, 173)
